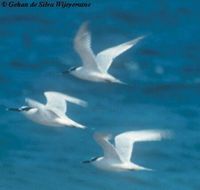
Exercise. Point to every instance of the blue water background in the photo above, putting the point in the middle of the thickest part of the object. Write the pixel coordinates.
(163, 73)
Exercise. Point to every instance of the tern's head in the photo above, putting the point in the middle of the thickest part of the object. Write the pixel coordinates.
(26, 108)
(91, 160)
(70, 70)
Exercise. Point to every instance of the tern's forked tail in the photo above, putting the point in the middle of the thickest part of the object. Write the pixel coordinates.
(137, 168)
(70, 123)
(77, 125)
(120, 82)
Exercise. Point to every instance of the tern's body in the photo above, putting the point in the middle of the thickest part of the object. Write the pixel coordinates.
(95, 67)
(119, 166)
(49, 117)
(118, 157)
(95, 76)
(53, 112)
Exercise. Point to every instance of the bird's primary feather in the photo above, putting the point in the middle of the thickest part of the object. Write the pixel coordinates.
(105, 58)
(82, 45)
(124, 142)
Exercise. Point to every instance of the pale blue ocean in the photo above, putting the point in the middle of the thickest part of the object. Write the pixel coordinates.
(163, 73)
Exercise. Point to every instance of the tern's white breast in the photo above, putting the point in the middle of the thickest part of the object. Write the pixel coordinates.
(90, 75)
(111, 165)
(42, 116)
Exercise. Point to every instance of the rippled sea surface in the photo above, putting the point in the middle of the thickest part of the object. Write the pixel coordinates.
(163, 73)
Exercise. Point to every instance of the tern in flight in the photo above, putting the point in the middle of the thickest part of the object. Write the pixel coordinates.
(118, 157)
(95, 68)
(53, 112)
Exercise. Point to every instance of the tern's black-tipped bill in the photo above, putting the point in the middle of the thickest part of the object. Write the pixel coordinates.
(69, 70)
(65, 72)
(91, 160)
(24, 108)
(13, 109)
(86, 161)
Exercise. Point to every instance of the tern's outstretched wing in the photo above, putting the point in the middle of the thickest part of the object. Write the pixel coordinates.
(124, 141)
(105, 58)
(82, 45)
(109, 150)
(57, 101)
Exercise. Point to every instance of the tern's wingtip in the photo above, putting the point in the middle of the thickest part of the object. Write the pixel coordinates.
(87, 22)
(146, 35)
(83, 127)
(84, 26)
(168, 134)
(84, 103)
(142, 37)
(102, 135)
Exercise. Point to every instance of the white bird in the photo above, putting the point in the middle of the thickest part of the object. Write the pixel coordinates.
(53, 112)
(118, 157)
(95, 68)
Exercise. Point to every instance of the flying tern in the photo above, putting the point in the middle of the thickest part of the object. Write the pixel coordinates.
(118, 157)
(53, 112)
(95, 67)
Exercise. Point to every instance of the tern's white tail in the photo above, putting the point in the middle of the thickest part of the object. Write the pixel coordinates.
(78, 125)
(115, 80)
(137, 167)
(69, 122)
(121, 82)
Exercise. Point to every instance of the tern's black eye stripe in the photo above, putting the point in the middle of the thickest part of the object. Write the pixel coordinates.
(26, 108)
(93, 159)
(72, 68)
